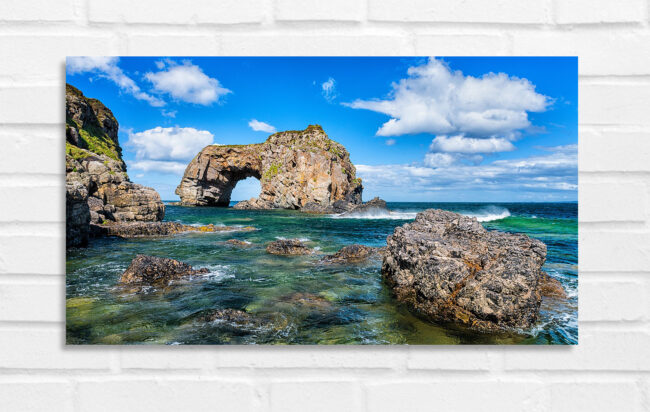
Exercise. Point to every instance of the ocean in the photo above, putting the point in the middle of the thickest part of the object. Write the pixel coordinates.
(301, 301)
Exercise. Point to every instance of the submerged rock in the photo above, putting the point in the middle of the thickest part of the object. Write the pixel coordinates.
(551, 287)
(297, 169)
(448, 268)
(350, 254)
(153, 229)
(375, 205)
(288, 247)
(306, 300)
(228, 315)
(152, 270)
(237, 242)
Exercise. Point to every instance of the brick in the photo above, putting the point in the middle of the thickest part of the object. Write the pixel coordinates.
(32, 302)
(312, 45)
(45, 349)
(612, 300)
(177, 357)
(471, 11)
(315, 396)
(202, 11)
(599, 52)
(44, 145)
(37, 10)
(454, 395)
(599, 350)
(36, 396)
(338, 10)
(37, 104)
(294, 357)
(612, 200)
(595, 396)
(614, 103)
(26, 204)
(452, 358)
(614, 151)
(41, 255)
(171, 45)
(613, 251)
(165, 395)
(42, 58)
(599, 11)
(460, 44)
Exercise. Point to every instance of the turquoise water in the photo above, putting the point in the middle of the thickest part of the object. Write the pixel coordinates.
(296, 299)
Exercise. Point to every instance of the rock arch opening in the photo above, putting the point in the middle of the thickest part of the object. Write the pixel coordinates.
(245, 189)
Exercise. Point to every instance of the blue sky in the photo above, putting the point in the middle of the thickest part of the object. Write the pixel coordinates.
(485, 129)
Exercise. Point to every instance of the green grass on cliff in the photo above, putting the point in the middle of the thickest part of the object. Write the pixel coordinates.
(95, 140)
(272, 171)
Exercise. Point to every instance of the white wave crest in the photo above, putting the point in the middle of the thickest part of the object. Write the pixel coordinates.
(379, 214)
(489, 214)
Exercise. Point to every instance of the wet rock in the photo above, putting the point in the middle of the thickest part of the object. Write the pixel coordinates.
(351, 254)
(153, 229)
(448, 268)
(375, 205)
(551, 288)
(237, 242)
(288, 247)
(152, 270)
(228, 315)
(296, 169)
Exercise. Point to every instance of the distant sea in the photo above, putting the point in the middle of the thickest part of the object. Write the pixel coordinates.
(337, 304)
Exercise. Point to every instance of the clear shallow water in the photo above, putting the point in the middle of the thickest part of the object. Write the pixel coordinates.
(300, 301)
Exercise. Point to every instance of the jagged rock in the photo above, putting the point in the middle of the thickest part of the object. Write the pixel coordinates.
(288, 247)
(152, 270)
(295, 168)
(551, 287)
(374, 205)
(94, 160)
(77, 214)
(351, 253)
(153, 229)
(448, 268)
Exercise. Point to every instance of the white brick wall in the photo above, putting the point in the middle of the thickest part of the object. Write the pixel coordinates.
(609, 370)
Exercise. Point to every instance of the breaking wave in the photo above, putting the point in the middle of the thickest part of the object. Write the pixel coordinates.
(489, 214)
(379, 214)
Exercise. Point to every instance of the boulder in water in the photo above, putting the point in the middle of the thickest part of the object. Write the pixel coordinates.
(448, 268)
(351, 254)
(374, 205)
(288, 247)
(152, 270)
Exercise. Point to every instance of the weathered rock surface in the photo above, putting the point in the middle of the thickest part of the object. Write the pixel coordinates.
(375, 205)
(288, 247)
(551, 287)
(152, 270)
(94, 160)
(296, 169)
(448, 268)
(153, 229)
(351, 254)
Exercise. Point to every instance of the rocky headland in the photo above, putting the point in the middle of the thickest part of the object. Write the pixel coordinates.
(448, 268)
(98, 189)
(301, 169)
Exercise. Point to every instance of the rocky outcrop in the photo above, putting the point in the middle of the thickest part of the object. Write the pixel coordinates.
(153, 229)
(375, 205)
(448, 268)
(152, 270)
(296, 169)
(94, 161)
(237, 242)
(288, 247)
(351, 254)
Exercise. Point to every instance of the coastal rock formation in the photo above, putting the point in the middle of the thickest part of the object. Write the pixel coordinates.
(448, 268)
(551, 288)
(153, 229)
(152, 270)
(351, 253)
(288, 247)
(94, 161)
(296, 169)
(375, 205)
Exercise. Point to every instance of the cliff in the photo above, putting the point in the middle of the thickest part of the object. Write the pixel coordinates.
(302, 169)
(98, 190)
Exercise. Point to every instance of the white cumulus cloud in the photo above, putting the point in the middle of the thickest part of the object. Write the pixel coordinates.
(328, 90)
(434, 99)
(462, 144)
(261, 126)
(167, 149)
(186, 82)
(107, 67)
